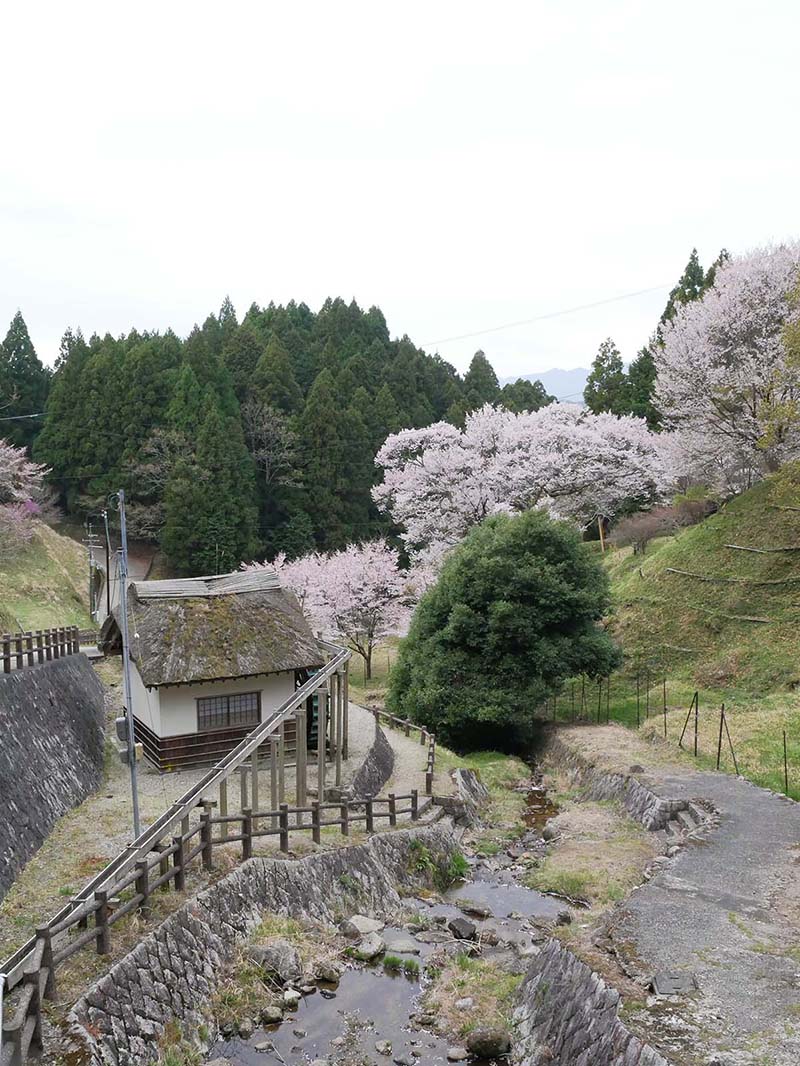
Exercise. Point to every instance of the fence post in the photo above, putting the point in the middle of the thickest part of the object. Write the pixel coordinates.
(6, 654)
(48, 644)
(696, 717)
(392, 809)
(273, 779)
(322, 716)
(284, 827)
(346, 711)
(76, 640)
(422, 736)
(39, 646)
(719, 741)
(178, 865)
(223, 807)
(18, 652)
(344, 814)
(254, 785)
(142, 884)
(29, 646)
(785, 766)
(101, 923)
(315, 829)
(43, 933)
(339, 726)
(247, 833)
(414, 805)
(205, 838)
(369, 822)
(243, 787)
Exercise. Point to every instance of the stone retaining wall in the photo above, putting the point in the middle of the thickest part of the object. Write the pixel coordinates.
(51, 752)
(173, 973)
(637, 798)
(376, 768)
(567, 1016)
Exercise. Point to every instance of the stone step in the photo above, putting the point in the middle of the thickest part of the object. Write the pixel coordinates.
(686, 821)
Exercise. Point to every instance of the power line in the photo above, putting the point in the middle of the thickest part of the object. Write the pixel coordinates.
(12, 418)
(550, 314)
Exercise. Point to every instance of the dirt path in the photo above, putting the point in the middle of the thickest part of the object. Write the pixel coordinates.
(725, 909)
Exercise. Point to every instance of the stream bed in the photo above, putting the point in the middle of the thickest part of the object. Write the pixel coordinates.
(374, 1016)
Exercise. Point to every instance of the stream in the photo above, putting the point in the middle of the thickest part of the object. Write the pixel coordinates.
(373, 1016)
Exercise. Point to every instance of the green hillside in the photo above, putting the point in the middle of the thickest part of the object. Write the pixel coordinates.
(722, 621)
(45, 585)
(730, 618)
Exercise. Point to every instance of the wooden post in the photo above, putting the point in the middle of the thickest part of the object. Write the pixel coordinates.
(273, 779)
(339, 726)
(43, 933)
(76, 640)
(719, 742)
(422, 736)
(346, 712)
(6, 653)
(392, 809)
(344, 814)
(370, 816)
(18, 653)
(205, 838)
(39, 645)
(178, 864)
(101, 922)
(142, 884)
(247, 833)
(284, 827)
(281, 763)
(322, 718)
(300, 761)
(414, 805)
(48, 644)
(315, 827)
(254, 784)
(785, 766)
(696, 717)
(243, 804)
(223, 807)
(602, 535)
(29, 646)
(407, 727)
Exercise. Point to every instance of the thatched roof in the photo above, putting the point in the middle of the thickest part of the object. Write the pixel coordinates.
(205, 629)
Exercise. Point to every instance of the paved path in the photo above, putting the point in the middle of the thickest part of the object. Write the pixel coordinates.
(727, 909)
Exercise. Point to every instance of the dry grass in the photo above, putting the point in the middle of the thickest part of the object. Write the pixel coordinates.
(46, 584)
(491, 989)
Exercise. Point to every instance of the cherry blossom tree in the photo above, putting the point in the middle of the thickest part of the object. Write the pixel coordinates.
(20, 479)
(358, 595)
(440, 481)
(724, 382)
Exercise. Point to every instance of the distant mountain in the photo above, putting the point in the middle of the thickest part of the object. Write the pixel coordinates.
(565, 385)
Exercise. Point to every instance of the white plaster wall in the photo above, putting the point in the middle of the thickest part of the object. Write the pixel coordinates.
(178, 709)
(145, 702)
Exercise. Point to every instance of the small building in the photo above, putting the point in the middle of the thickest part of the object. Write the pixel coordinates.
(211, 658)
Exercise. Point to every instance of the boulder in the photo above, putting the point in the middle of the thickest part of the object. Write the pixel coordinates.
(328, 970)
(477, 910)
(403, 946)
(462, 929)
(359, 925)
(489, 1043)
(457, 1054)
(370, 948)
(271, 1014)
(278, 959)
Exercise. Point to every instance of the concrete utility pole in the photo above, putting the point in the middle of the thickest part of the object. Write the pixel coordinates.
(108, 564)
(126, 662)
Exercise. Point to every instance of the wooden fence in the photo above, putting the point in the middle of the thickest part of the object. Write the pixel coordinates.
(424, 738)
(92, 921)
(38, 646)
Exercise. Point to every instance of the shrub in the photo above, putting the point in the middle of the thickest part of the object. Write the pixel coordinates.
(639, 529)
(513, 612)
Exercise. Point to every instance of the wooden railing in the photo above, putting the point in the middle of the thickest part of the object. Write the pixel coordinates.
(132, 866)
(425, 737)
(38, 646)
(92, 921)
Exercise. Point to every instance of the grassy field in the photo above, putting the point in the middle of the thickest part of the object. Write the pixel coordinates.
(45, 585)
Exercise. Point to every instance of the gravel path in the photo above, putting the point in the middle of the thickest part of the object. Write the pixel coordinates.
(726, 909)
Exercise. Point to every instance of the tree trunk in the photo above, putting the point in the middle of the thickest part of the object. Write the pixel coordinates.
(368, 664)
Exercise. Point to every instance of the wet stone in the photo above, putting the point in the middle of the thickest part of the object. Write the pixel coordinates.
(462, 928)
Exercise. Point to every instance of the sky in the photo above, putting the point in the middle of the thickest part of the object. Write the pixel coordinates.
(461, 165)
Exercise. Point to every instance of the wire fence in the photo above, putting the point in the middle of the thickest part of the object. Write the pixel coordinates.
(698, 723)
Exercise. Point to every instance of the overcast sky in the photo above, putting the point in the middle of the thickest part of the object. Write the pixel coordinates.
(460, 165)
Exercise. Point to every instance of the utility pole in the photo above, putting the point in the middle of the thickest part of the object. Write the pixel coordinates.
(126, 661)
(108, 564)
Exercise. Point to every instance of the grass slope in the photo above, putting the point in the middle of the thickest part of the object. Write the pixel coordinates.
(705, 629)
(45, 585)
(700, 636)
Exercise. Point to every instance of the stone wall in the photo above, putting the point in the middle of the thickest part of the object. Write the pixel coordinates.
(51, 752)
(376, 768)
(173, 972)
(640, 801)
(567, 1016)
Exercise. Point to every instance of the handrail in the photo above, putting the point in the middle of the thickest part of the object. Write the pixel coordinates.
(142, 845)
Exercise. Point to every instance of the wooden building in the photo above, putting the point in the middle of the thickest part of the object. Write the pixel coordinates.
(211, 658)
